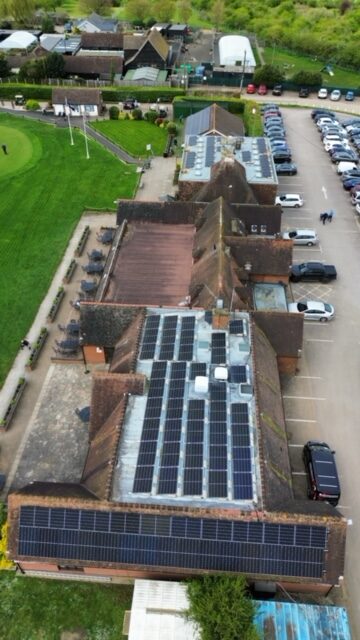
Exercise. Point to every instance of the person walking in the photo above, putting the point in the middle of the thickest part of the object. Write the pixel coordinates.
(4, 148)
(323, 217)
(25, 343)
(331, 215)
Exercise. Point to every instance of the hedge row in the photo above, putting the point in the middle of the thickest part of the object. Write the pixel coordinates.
(186, 105)
(112, 94)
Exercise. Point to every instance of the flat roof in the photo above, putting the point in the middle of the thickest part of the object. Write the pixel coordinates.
(153, 265)
(68, 45)
(269, 297)
(233, 50)
(201, 152)
(191, 439)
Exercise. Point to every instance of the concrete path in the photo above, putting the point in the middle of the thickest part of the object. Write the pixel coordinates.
(157, 182)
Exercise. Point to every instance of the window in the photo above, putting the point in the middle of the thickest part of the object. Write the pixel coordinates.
(254, 228)
(66, 567)
(89, 108)
(263, 228)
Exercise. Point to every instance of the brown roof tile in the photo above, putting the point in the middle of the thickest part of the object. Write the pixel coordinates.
(268, 256)
(102, 40)
(102, 324)
(126, 349)
(228, 179)
(133, 43)
(98, 65)
(284, 331)
(76, 96)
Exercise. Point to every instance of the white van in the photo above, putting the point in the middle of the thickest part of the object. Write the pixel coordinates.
(345, 166)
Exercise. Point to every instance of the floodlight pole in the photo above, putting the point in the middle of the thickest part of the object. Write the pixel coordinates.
(86, 140)
(68, 117)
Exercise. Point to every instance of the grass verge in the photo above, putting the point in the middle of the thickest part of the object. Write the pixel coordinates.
(40, 204)
(134, 135)
(40, 609)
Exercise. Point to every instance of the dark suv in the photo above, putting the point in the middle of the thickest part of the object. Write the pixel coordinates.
(323, 480)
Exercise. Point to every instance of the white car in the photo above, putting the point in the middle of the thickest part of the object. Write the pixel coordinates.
(345, 166)
(323, 93)
(289, 200)
(335, 95)
(358, 208)
(326, 121)
(306, 237)
(313, 310)
(332, 143)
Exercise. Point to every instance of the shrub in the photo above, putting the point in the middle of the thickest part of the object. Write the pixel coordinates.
(172, 128)
(114, 113)
(126, 116)
(310, 78)
(150, 116)
(137, 114)
(268, 74)
(32, 105)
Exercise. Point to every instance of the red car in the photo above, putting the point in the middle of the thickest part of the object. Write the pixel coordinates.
(262, 90)
(251, 88)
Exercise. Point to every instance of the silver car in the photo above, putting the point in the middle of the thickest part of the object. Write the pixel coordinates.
(313, 310)
(306, 237)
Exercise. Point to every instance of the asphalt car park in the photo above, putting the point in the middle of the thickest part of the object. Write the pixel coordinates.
(321, 401)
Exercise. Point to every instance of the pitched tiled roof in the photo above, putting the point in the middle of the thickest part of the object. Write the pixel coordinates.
(274, 456)
(284, 331)
(157, 42)
(133, 43)
(76, 96)
(228, 179)
(99, 65)
(102, 40)
(102, 324)
(267, 256)
(216, 120)
(126, 349)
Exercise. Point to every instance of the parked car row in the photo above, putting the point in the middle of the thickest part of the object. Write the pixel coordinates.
(274, 130)
(335, 95)
(335, 136)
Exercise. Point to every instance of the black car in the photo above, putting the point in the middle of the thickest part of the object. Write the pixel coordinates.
(322, 113)
(286, 168)
(323, 479)
(304, 92)
(350, 183)
(313, 271)
(130, 103)
(352, 173)
(342, 156)
(281, 156)
(277, 90)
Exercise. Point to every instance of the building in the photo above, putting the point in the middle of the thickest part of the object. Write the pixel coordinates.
(18, 41)
(158, 612)
(102, 42)
(234, 54)
(153, 51)
(213, 120)
(95, 24)
(94, 67)
(77, 102)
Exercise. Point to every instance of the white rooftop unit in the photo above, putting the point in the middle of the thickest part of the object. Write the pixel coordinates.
(233, 50)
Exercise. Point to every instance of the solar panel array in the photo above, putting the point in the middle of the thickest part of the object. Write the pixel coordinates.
(291, 550)
(210, 151)
(190, 159)
(194, 451)
(150, 337)
(241, 452)
(246, 156)
(187, 335)
(236, 327)
(218, 481)
(265, 166)
(218, 348)
(261, 145)
(167, 346)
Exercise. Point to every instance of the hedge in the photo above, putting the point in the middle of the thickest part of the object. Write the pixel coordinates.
(185, 106)
(112, 94)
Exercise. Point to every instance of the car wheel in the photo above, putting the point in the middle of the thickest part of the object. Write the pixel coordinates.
(310, 244)
(297, 206)
(323, 319)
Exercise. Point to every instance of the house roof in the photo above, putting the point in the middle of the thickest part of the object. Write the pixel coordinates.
(126, 349)
(133, 42)
(102, 40)
(76, 96)
(99, 65)
(267, 256)
(102, 24)
(228, 179)
(103, 323)
(216, 120)
(157, 41)
(284, 331)
(18, 40)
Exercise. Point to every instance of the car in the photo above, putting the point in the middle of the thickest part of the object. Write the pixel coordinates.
(130, 103)
(275, 132)
(349, 123)
(251, 88)
(349, 174)
(354, 133)
(342, 156)
(285, 168)
(277, 90)
(269, 105)
(333, 147)
(273, 126)
(313, 310)
(323, 479)
(304, 92)
(333, 131)
(289, 200)
(280, 147)
(274, 120)
(323, 93)
(333, 137)
(357, 208)
(318, 113)
(335, 95)
(262, 90)
(305, 237)
(281, 156)
(345, 166)
(350, 183)
(349, 95)
(19, 99)
(355, 198)
(313, 271)
(325, 120)
(339, 148)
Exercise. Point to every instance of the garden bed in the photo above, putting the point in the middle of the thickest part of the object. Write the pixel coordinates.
(10, 411)
(56, 304)
(70, 271)
(82, 242)
(35, 351)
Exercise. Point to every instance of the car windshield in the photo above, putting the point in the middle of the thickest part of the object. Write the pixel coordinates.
(327, 307)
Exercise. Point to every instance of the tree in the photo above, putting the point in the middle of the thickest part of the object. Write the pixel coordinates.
(32, 70)
(221, 608)
(114, 112)
(20, 10)
(47, 25)
(268, 74)
(138, 10)
(102, 7)
(184, 10)
(217, 13)
(4, 67)
(163, 11)
(310, 78)
(54, 65)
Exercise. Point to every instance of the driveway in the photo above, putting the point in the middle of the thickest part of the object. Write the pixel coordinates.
(322, 401)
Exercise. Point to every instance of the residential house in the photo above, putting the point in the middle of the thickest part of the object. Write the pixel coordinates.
(94, 67)
(95, 24)
(214, 120)
(77, 102)
(153, 51)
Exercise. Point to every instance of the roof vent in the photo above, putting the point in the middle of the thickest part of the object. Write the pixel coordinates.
(201, 384)
(221, 373)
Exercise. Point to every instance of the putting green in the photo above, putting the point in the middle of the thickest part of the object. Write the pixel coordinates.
(20, 150)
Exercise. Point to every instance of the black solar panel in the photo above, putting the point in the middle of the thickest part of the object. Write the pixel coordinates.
(246, 156)
(190, 159)
(265, 166)
(173, 541)
(192, 140)
(172, 430)
(168, 336)
(241, 452)
(217, 483)
(236, 327)
(218, 348)
(237, 373)
(187, 333)
(193, 466)
(150, 338)
(261, 145)
(197, 369)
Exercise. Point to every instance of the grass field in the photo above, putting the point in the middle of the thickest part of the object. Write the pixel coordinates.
(134, 135)
(38, 609)
(42, 197)
(292, 63)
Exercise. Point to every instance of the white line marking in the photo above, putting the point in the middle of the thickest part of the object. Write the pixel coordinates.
(299, 420)
(317, 340)
(298, 473)
(342, 506)
(302, 398)
(309, 377)
(295, 445)
(324, 192)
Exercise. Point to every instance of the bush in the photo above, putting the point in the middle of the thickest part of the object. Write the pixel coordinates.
(269, 75)
(114, 113)
(307, 78)
(32, 105)
(150, 116)
(172, 128)
(137, 114)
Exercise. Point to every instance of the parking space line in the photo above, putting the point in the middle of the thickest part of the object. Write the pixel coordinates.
(317, 340)
(295, 445)
(302, 398)
(299, 420)
(309, 377)
(298, 473)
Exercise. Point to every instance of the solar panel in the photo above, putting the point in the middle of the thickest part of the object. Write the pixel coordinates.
(150, 337)
(190, 159)
(192, 140)
(208, 317)
(187, 333)
(218, 348)
(261, 145)
(241, 452)
(246, 156)
(236, 327)
(290, 550)
(217, 482)
(265, 166)
(168, 336)
(193, 465)
(197, 369)
(237, 373)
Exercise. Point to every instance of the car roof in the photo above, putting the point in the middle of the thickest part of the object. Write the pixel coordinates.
(325, 472)
(312, 231)
(289, 195)
(315, 304)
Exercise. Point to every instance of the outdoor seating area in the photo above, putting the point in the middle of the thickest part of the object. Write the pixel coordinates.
(69, 346)
(71, 329)
(106, 237)
(93, 267)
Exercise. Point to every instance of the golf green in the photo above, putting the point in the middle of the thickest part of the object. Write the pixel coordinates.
(20, 150)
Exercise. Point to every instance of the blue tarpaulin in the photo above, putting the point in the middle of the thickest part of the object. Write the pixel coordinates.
(288, 621)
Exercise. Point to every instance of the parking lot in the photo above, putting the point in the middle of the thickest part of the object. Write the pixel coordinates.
(321, 402)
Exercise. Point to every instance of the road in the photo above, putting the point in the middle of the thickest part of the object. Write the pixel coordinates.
(322, 401)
